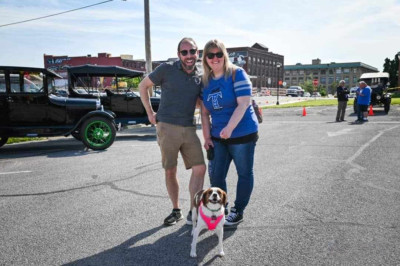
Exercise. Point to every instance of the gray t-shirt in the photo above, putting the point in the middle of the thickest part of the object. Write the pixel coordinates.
(180, 92)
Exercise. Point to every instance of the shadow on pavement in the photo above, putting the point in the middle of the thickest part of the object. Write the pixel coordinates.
(171, 249)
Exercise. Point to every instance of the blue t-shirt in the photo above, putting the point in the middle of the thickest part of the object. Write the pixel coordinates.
(219, 97)
(364, 100)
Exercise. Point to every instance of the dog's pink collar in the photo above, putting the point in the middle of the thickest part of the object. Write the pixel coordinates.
(212, 224)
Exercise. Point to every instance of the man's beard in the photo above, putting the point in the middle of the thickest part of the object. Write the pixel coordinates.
(188, 67)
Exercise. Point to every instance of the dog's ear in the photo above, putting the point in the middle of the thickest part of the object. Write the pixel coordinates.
(204, 197)
(198, 197)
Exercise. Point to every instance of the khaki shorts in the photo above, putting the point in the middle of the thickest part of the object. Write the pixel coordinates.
(173, 139)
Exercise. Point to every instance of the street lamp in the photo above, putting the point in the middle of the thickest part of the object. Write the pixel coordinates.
(278, 66)
(398, 73)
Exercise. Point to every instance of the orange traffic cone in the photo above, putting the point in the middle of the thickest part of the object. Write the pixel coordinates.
(304, 111)
(371, 112)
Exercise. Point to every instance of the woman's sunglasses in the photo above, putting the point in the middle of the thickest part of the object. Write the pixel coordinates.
(212, 55)
(191, 51)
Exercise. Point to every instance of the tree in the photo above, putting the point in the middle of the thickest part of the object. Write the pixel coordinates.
(392, 67)
(307, 85)
(133, 83)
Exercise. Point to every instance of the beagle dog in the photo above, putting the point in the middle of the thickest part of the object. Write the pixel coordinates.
(208, 213)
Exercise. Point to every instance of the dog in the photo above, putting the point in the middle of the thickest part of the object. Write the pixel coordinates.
(208, 213)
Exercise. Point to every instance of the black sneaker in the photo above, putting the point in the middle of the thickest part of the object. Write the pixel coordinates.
(175, 216)
(189, 218)
(233, 218)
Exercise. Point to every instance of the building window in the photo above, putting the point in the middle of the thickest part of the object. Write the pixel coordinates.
(287, 72)
(323, 80)
(330, 79)
(346, 70)
(337, 79)
(354, 80)
(301, 72)
(315, 72)
(338, 71)
(301, 80)
(355, 70)
(323, 72)
(346, 79)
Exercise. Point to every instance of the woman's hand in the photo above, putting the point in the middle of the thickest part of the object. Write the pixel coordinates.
(225, 133)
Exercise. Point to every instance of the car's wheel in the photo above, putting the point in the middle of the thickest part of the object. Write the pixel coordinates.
(98, 133)
(387, 107)
(3, 140)
(76, 135)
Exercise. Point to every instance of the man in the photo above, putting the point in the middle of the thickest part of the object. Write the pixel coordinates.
(176, 132)
(342, 96)
(363, 100)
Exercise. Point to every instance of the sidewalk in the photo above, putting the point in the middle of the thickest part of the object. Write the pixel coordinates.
(271, 100)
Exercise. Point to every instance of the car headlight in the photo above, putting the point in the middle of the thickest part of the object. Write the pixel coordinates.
(388, 95)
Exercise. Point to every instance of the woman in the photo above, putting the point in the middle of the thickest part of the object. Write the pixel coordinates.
(233, 131)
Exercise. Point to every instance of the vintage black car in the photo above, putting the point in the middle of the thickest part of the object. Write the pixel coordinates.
(379, 96)
(83, 82)
(29, 107)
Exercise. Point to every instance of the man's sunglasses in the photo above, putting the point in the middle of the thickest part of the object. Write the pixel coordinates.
(191, 51)
(212, 55)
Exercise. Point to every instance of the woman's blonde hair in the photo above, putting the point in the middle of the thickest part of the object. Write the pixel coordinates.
(207, 72)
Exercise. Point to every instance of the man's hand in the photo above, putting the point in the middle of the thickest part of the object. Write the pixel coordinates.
(152, 118)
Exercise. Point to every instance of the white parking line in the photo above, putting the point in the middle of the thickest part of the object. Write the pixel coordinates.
(18, 172)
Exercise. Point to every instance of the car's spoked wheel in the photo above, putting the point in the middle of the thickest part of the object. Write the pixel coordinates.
(3, 140)
(98, 133)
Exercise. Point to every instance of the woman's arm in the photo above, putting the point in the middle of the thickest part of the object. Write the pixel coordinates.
(243, 103)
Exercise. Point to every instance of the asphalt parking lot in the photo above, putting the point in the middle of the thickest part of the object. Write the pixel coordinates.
(325, 193)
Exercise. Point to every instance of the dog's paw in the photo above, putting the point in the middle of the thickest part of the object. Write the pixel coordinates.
(193, 254)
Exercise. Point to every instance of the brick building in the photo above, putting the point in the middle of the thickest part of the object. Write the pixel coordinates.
(60, 63)
(327, 74)
(259, 63)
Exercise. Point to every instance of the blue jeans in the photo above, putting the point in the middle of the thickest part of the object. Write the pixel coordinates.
(243, 158)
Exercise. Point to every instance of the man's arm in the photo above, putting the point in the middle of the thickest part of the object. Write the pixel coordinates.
(144, 87)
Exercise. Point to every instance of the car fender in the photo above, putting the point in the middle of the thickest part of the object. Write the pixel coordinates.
(106, 114)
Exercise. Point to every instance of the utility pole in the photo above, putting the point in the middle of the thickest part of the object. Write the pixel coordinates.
(149, 67)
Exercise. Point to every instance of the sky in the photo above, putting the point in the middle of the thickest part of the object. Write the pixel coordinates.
(366, 31)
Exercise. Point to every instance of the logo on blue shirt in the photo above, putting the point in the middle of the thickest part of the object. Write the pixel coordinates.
(214, 99)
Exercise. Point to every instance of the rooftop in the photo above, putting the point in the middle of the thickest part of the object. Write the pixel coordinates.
(329, 65)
